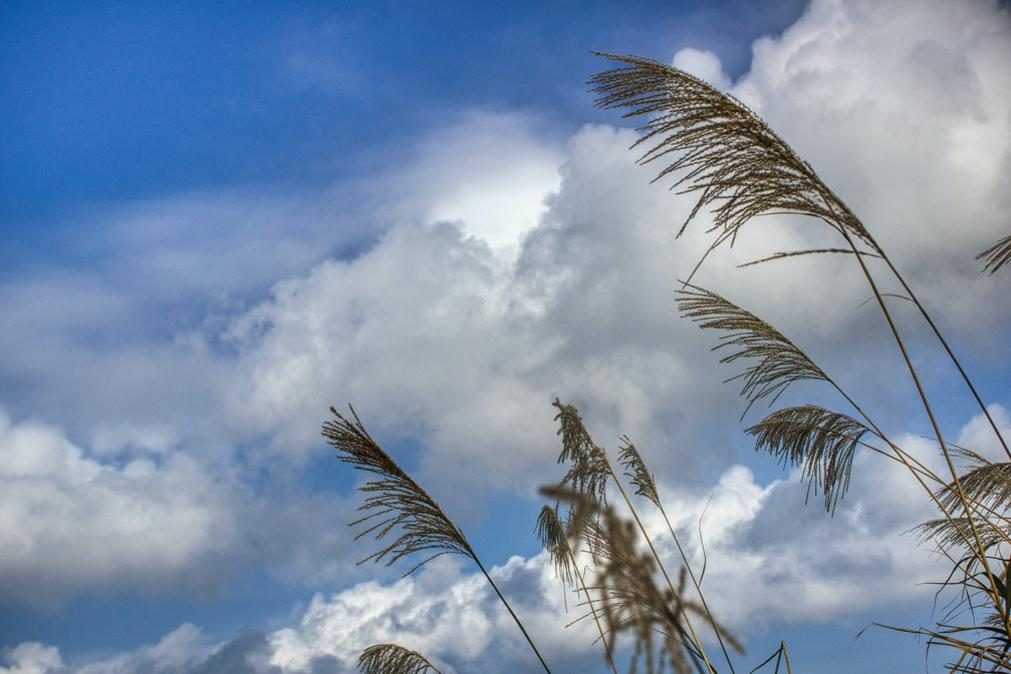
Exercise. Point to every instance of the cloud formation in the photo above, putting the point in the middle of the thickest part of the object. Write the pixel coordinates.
(492, 270)
(72, 522)
(760, 571)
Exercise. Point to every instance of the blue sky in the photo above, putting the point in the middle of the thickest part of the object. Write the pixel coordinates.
(130, 100)
(217, 220)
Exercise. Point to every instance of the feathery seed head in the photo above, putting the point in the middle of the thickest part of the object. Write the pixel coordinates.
(396, 503)
(393, 659)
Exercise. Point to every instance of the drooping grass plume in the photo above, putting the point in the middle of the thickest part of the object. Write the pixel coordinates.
(636, 471)
(632, 601)
(588, 476)
(986, 488)
(399, 504)
(986, 484)
(656, 617)
(954, 532)
(996, 256)
(738, 168)
(722, 151)
(589, 469)
(819, 441)
(742, 169)
(394, 659)
(551, 532)
(777, 362)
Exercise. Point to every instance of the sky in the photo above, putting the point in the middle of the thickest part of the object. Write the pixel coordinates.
(217, 220)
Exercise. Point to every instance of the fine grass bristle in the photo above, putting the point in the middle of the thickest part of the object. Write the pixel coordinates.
(636, 471)
(819, 441)
(632, 602)
(397, 503)
(996, 256)
(554, 538)
(551, 533)
(715, 148)
(778, 362)
(986, 484)
(588, 471)
(393, 659)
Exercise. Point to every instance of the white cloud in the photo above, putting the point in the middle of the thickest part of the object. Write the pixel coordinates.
(31, 658)
(903, 109)
(181, 650)
(430, 333)
(490, 172)
(466, 343)
(978, 435)
(771, 559)
(69, 522)
(72, 523)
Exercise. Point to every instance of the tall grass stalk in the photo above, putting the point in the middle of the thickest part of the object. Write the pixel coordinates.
(592, 469)
(740, 169)
(396, 503)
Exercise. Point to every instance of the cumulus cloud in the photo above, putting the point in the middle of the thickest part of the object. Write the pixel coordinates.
(481, 342)
(31, 658)
(69, 521)
(72, 523)
(542, 280)
(769, 559)
(904, 110)
(487, 171)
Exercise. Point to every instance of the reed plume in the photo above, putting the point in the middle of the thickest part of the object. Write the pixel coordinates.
(740, 169)
(588, 476)
(987, 484)
(996, 256)
(399, 504)
(394, 659)
(641, 477)
(725, 153)
(589, 469)
(819, 441)
(551, 532)
(777, 362)
(632, 602)
(637, 472)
